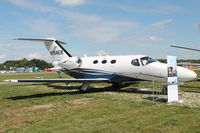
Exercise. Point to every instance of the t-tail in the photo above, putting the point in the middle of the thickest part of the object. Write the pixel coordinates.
(59, 55)
(54, 47)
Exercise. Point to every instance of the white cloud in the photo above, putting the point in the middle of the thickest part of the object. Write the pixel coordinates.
(36, 6)
(142, 40)
(102, 53)
(19, 46)
(44, 27)
(89, 27)
(161, 23)
(92, 28)
(154, 38)
(108, 31)
(100, 31)
(33, 56)
(148, 7)
(22, 3)
(2, 56)
(70, 2)
(96, 28)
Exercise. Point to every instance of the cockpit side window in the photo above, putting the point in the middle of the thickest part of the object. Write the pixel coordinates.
(135, 62)
(146, 60)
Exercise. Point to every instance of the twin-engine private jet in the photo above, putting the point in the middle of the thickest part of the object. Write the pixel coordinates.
(111, 69)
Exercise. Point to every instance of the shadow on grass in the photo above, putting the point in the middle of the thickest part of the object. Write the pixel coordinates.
(71, 87)
(157, 99)
(33, 84)
(74, 90)
(42, 95)
(193, 91)
(187, 86)
(52, 85)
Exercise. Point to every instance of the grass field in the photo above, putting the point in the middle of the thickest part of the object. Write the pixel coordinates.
(57, 107)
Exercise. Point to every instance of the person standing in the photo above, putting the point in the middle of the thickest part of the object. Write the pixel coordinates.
(59, 74)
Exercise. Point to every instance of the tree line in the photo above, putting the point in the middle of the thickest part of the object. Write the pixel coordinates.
(181, 60)
(41, 64)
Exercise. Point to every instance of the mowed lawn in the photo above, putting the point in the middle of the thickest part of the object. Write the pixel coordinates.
(57, 107)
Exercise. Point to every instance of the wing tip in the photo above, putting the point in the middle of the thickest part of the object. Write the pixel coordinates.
(10, 80)
(172, 45)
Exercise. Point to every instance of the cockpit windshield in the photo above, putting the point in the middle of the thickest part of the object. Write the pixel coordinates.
(146, 60)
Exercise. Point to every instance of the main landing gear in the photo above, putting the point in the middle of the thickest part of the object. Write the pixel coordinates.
(84, 87)
(117, 85)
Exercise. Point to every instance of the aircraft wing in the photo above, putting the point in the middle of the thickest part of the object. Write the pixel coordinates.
(175, 46)
(60, 80)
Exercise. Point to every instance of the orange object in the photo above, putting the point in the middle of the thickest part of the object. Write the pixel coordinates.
(191, 69)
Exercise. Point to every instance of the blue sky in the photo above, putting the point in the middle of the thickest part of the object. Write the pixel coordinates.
(106, 27)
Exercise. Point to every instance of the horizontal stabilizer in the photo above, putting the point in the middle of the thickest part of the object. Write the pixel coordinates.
(59, 80)
(53, 46)
(40, 40)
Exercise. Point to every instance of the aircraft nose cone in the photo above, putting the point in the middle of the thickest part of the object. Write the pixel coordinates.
(192, 74)
(186, 74)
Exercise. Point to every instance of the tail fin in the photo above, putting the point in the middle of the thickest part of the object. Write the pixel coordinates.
(54, 47)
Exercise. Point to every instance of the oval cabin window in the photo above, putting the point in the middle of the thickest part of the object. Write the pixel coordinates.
(95, 61)
(113, 61)
(104, 61)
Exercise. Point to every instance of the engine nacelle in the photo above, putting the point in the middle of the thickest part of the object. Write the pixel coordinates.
(55, 65)
(70, 63)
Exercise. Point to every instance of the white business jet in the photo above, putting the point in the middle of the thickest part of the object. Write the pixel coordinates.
(112, 69)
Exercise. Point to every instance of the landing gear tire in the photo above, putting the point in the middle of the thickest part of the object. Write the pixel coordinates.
(116, 85)
(82, 91)
(164, 90)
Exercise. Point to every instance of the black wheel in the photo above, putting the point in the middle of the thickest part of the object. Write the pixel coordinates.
(116, 85)
(164, 90)
(82, 91)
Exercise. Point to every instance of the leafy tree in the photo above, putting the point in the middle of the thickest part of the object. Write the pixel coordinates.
(26, 63)
(162, 60)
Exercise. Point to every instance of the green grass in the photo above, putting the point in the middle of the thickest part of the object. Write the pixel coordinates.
(47, 107)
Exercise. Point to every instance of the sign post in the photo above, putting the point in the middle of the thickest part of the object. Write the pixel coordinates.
(172, 81)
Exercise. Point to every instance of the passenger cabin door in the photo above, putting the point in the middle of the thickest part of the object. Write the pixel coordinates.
(148, 71)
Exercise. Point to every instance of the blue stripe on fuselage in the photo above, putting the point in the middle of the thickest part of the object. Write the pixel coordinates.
(93, 74)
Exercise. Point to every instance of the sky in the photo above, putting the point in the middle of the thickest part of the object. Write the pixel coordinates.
(100, 27)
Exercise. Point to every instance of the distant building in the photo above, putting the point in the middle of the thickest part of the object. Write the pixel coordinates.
(28, 69)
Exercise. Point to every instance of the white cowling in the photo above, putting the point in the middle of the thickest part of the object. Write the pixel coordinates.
(70, 63)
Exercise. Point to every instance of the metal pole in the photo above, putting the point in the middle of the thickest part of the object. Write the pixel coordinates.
(153, 90)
